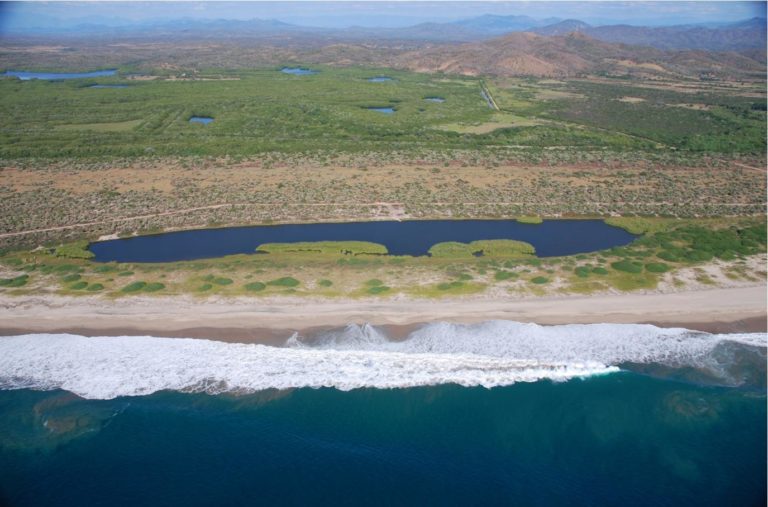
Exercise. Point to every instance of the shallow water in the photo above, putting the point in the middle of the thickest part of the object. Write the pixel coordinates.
(205, 120)
(550, 238)
(383, 110)
(24, 76)
(380, 79)
(438, 100)
(298, 71)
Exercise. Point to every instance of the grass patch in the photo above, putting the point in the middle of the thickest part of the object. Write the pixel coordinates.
(378, 289)
(530, 219)
(504, 275)
(95, 287)
(71, 278)
(222, 281)
(76, 250)
(486, 248)
(18, 281)
(325, 247)
(154, 287)
(539, 280)
(324, 283)
(79, 285)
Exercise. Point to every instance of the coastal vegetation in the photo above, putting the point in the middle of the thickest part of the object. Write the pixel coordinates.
(675, 252)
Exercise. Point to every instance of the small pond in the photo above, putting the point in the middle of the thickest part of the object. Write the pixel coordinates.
(383, 110)
(379, 79)
(438, 100)
(298, 71)
(205, 120)
(25, 76)
(550, 238)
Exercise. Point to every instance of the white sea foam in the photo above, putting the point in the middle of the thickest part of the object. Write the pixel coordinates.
(489, 354)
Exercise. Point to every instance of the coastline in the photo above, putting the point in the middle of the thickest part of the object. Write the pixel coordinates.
(250, 320)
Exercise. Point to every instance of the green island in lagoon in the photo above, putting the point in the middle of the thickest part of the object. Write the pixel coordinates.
(491, 257)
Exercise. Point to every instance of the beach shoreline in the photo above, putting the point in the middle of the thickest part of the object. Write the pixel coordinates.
(249, 320)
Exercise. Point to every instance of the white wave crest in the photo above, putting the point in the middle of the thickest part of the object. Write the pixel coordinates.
(489, 354)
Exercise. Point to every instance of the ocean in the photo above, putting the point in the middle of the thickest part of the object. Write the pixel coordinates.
(497, 413)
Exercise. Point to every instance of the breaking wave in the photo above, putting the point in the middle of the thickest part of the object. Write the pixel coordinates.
(489, 354)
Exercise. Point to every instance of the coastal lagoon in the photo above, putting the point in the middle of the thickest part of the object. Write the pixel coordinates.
(550, 238)
(26, 76)
(495, 413)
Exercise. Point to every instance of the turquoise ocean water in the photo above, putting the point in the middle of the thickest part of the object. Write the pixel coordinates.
(683, 425)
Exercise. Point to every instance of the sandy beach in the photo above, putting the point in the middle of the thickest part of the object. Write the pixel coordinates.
(741, 309)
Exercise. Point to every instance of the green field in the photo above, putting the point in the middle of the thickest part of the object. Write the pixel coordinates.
(258, 111)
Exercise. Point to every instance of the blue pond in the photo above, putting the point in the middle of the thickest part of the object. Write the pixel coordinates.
(383, 110)
(551, 238)
(438, 100)
(379, 79)
(298, 71)
(108, 86)
(25, 76)
(205, 120)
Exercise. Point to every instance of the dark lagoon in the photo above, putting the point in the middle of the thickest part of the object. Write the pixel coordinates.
(25, 76)
(298, 71)
(205, 120)
(550, 238)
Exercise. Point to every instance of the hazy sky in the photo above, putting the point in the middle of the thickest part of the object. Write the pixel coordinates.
(375, 13)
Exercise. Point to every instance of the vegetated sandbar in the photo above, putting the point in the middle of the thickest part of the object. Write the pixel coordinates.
(270, 321)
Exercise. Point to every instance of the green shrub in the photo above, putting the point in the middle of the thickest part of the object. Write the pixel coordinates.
(286, 281)
(374, 282)
(657, 267)
(154, 287)
(95, 287)
(600, 271)
(125, 273)
(205, 287)
(255, 286)
(105, 268)
(540, 280)
(79, 285)
(19, 281)
(378, 289)
(582, 271)
(134, 287)
(324, 283)
(504, 275)
(222, 281)
(71, 278)
(627, 266)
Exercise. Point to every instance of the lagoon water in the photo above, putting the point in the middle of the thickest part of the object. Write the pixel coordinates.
(380, 79)
(25, 76)
(550, 238)
(173, 421)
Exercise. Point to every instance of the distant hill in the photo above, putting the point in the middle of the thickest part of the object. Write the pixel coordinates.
(528, 54)
(749, 34)
(496, 25)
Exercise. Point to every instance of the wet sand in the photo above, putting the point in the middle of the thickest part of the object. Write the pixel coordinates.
(734, 310)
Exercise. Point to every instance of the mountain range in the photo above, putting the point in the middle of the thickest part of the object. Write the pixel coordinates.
(745, 35)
